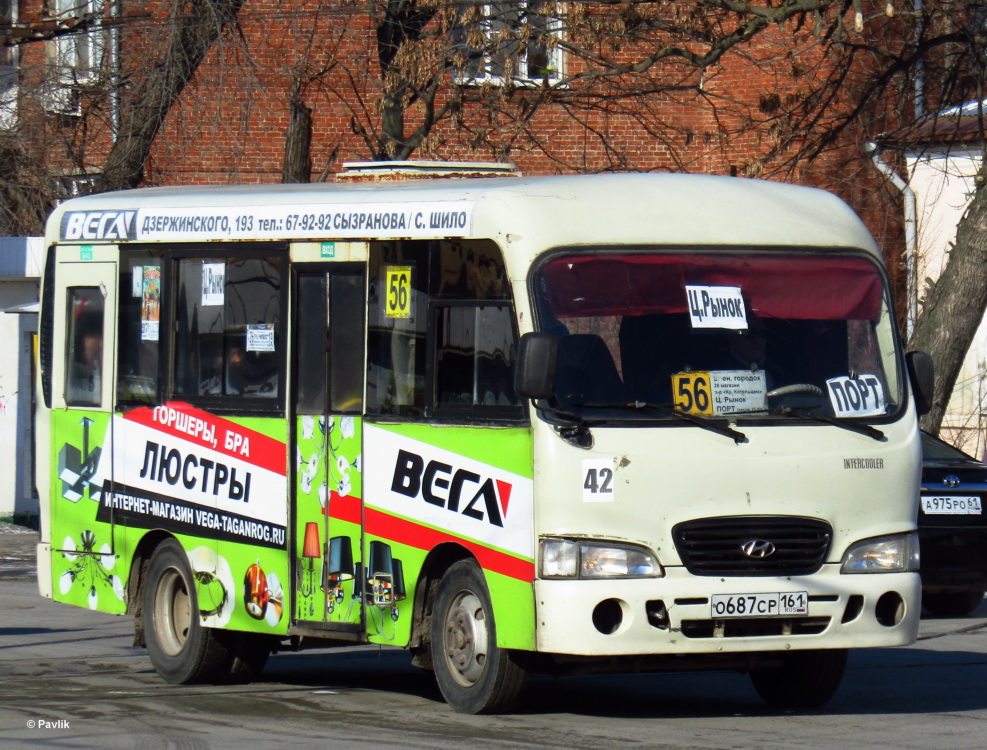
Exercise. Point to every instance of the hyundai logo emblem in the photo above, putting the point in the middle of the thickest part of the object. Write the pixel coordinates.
(951, 480)
(758, 548)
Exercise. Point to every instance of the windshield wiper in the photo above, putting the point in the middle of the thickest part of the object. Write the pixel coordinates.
(579, 425)
(859, 427)
(719, 426)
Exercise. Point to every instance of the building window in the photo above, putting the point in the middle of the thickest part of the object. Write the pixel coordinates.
(509, 42)
(74, 185)
(8, 67)
(79, 55)
(8, 16)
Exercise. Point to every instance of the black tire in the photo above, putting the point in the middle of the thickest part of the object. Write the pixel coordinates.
(474, 675)
(806, 679)
(181, 650)
(250, 653)
(952, 603)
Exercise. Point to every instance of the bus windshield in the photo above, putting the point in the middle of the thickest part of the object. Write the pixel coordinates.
(653, 335)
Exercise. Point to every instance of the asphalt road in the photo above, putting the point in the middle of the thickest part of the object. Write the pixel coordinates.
(69, 678)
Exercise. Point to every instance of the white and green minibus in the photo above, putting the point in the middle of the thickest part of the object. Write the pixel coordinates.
(620, 422)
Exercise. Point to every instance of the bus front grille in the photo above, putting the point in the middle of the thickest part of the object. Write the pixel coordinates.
(753, 545)
(754, 627)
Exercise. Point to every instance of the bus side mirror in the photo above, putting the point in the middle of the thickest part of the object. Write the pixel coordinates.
(534, 370)
(922, 374)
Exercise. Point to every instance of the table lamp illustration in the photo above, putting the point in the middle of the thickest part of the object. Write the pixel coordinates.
(339, 570)
(385, 578)
(311, 551)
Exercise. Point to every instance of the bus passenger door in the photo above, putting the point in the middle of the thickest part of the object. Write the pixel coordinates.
(83, 321)
(328, 365)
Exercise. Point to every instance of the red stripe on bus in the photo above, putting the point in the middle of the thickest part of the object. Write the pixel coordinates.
(348, 508)
(262, 451)
(344, 508)
(425, 538)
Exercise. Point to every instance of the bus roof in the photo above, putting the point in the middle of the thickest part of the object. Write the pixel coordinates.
(525, 215)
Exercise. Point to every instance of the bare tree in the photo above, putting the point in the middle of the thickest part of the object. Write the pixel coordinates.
(921, 61)
(198, 24)
(47, 148)
(491, 68)
(485, 72)
(953, 307)
(298, 141)
(469, 72)
(464, 77)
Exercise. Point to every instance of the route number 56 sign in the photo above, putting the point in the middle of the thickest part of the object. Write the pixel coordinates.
(397, 302)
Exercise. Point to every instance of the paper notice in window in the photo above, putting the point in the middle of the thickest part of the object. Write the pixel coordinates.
(738, 391)
(213, 283)
(716, 307)
(862, 396)
(260, 337)
(150, 302)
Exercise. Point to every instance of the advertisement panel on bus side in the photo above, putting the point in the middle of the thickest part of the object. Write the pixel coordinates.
(218, 484)
(430, 485)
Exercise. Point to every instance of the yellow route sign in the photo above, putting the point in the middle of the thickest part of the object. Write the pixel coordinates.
(397, 303)
(692, 392)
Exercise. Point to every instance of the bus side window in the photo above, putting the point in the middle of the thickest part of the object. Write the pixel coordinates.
(84, 358)
(474, 354)
(441, 338)
(310, 344)
(346, 314)
(396, 330)
(329, 334)
(472, 340)
(139, 327)
(228, 328)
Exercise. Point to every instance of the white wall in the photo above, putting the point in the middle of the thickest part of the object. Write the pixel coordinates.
(943, 185)
(19, 277)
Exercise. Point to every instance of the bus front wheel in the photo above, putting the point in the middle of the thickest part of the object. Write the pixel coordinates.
(181, 650)
(805, 679)
(474, 675)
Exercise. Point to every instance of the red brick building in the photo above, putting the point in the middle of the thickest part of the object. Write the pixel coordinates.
(323, 59)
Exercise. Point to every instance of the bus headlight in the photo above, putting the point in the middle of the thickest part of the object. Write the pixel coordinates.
(564, 558)
(886, 554)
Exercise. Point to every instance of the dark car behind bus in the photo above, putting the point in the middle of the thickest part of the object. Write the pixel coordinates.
(952, 529)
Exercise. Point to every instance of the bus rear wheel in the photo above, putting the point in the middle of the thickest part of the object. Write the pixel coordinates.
(181, 650)
(249, 656)
(474, 675)
(805, 679)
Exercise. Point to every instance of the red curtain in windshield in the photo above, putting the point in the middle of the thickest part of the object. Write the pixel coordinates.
(815, 287)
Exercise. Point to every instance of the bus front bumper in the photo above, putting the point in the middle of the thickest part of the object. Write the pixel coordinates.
(674, 614)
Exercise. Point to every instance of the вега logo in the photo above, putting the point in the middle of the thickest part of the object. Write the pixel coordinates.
(99, 225)
(412, 476)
